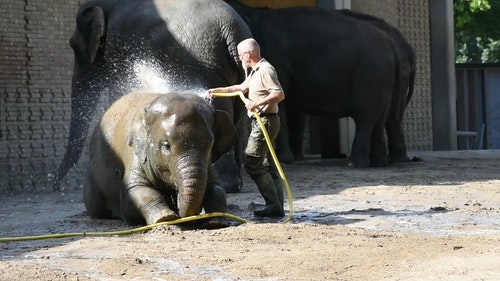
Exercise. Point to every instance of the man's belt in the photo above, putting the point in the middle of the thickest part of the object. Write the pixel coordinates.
(264, 114)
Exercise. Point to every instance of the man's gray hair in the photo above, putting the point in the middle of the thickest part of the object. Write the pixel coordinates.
(249, 45)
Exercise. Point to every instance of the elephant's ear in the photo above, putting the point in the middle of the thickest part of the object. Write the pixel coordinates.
(138, 136)
(225, 134)
(91, 28)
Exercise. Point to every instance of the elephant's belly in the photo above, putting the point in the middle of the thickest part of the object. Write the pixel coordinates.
(325, 108)
(320, 99)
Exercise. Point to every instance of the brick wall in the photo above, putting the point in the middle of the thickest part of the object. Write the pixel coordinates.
(35, 79)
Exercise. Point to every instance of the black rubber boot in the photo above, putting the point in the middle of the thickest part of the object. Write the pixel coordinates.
(274, 207)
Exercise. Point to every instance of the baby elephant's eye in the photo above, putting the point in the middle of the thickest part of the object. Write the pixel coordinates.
(165, 146)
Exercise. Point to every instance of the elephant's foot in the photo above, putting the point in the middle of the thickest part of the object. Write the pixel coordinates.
(215, 200)
(379, 159)
(404, 159)
(160, 215)
(214, 223)
(398, 157)
(353, 163)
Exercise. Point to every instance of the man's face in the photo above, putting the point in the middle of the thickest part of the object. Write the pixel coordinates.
(244, 58)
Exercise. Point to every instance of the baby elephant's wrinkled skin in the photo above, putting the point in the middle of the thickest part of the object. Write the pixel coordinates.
(151, 158)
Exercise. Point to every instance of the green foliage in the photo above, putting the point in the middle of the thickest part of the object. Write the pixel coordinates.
(479, 5)
(477, 31)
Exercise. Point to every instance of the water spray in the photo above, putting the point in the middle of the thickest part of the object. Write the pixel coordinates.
(151, 78)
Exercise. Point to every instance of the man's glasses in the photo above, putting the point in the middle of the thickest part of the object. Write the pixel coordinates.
(242, 54)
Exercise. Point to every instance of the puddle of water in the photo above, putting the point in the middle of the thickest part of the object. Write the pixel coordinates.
(171, 267)
(436, 223)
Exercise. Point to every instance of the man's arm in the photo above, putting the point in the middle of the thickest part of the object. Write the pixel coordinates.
(273, 97)
(228, 89)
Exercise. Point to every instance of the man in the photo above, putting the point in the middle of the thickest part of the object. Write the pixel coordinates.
(264, 93)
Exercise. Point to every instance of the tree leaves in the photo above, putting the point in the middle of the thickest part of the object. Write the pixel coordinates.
(477, 36)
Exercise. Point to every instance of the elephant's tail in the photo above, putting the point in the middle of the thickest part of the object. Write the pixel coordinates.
(397, 81)
(413, 74)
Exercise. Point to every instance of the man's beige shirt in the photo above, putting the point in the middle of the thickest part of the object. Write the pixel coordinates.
(262, 81)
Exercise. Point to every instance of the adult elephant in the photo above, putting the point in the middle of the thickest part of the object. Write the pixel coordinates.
(406, 76)
(151, 155)
(329, 64)
(190, 43)
(330, 145)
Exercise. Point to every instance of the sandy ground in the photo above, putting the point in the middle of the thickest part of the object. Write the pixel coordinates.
(433, 220)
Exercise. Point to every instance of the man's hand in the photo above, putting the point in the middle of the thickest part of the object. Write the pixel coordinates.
(250, 105)
(210, 94)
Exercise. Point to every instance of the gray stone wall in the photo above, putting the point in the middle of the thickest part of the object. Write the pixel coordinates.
(413, 18)
(35, 79)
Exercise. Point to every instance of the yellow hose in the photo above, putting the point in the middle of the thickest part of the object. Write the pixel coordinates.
(122, 232)
(181, 220)
(271, 149)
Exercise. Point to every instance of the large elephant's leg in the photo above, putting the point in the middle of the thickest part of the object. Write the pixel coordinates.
(141, 204)
(396, 142)
(296, 126)
(330, 138)
(283, 150)
(229, 171)
(360, 151)
(378, 149)
(215, 199)
(395, 135)
(213, 202)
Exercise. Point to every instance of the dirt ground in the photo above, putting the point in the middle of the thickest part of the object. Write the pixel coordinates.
(438, 219)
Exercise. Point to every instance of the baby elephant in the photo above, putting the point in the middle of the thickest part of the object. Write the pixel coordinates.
(151, 158)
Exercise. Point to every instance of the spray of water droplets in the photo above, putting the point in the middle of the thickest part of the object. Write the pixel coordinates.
(149, 76)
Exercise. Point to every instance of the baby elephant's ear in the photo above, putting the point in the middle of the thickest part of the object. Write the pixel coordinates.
(225, 134)
(138, 135)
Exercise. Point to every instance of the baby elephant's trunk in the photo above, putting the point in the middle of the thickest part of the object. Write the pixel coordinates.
(191, 187)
